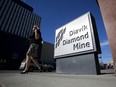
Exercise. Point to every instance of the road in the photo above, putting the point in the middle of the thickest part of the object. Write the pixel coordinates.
(51, 79)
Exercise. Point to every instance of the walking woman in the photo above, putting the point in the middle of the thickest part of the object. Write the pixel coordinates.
(34, 50)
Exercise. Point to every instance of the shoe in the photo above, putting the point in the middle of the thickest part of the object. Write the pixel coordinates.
(40, 70)
(24, 72)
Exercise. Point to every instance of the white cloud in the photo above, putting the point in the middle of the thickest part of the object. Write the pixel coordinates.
(104, 43)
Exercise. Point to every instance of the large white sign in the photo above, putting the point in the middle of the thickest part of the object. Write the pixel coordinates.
(75, 37)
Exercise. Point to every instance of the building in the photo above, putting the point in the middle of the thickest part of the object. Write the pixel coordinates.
(108, 12)
(16, 20)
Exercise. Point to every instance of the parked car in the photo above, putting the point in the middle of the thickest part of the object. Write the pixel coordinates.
(45, 66)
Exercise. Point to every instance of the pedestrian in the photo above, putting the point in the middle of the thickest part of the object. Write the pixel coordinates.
(34, 50)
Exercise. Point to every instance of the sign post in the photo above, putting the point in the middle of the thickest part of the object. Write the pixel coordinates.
(76, 47)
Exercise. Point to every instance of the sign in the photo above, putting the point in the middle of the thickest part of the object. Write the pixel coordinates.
(76, 37)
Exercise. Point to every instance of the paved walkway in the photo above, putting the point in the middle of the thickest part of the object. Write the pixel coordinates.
(37, 79)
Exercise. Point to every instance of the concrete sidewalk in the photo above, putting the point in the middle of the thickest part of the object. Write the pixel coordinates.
(37, 79)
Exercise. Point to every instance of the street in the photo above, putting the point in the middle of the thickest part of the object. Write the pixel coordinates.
(51, 79)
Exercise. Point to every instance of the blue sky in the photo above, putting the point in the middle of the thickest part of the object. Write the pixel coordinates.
(56, 13)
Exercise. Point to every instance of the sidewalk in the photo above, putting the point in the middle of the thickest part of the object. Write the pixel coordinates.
(37, 79)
